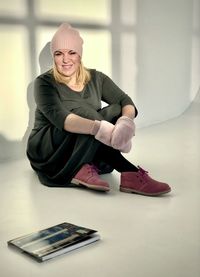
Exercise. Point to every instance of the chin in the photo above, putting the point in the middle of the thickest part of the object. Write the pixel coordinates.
(67, 74)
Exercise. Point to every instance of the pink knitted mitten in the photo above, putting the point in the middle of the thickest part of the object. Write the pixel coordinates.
(123, 132)
(126, 148)
(104, 132)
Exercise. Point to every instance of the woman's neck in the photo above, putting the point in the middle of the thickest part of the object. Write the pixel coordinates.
(74, 85)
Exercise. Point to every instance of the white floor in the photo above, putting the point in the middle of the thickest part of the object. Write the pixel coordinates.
(140, 236)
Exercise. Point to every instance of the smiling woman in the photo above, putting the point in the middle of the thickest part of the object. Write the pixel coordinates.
(73, 135)
(66, 48)
(67, 63)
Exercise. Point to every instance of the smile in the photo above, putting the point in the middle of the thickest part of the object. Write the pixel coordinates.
(67, 66)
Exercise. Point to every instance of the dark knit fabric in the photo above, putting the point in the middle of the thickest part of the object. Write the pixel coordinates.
(55, 154)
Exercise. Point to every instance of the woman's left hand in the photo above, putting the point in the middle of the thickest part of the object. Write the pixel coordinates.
(123, 132)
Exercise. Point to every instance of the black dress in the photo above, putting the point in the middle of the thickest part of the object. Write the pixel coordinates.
(55, 154)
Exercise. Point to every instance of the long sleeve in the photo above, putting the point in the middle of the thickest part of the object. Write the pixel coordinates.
(111, 94)
(49, 106)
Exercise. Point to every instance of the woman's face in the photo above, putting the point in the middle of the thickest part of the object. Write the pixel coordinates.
(67, 62)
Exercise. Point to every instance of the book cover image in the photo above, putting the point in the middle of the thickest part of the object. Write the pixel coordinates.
(53, 241)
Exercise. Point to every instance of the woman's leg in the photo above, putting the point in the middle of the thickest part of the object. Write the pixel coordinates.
(133, 179)
(109, 113)
(114, 158)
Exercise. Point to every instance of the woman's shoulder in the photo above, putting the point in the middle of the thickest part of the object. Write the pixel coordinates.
(96, 75)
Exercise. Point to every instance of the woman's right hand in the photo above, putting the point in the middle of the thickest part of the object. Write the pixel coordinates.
(104, 132)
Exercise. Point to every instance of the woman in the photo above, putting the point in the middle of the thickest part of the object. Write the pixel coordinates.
(74, 140)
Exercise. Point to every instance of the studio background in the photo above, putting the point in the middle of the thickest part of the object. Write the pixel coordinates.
(151, 49)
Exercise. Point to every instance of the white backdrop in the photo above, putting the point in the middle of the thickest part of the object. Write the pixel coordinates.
(151, 49)
(168, 58)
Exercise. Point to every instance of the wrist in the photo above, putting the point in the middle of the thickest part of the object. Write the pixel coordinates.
(95, 127)
(125, 117)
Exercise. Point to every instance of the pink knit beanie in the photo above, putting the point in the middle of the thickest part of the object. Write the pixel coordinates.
(67, 37)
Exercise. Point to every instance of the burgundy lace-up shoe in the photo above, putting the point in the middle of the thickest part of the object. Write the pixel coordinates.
(140, 182)
(88, 176)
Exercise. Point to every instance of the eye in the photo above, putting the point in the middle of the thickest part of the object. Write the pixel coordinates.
(57, 53)
(71, 52)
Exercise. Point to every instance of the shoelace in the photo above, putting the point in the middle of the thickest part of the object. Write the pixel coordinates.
(93, 170)
(143, 174)
(142, 171)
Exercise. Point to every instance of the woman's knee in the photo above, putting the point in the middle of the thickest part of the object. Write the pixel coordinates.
(87, 112)
(111, 113)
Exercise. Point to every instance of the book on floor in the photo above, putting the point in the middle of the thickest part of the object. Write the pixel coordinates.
(53, 241)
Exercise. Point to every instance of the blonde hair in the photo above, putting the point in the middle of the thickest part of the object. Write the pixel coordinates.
(82, 75)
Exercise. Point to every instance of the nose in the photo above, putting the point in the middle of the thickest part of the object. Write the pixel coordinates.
(66, 57)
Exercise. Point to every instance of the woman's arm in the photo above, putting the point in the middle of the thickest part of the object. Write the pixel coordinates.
(48, 102)
(102, 130)
(76, 124)
(129, 111)
(111, 94)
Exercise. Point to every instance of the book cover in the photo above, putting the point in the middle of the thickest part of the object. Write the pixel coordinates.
(53, 241)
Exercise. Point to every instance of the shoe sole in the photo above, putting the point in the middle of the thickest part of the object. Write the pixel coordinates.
(127, 190)
(90, 186)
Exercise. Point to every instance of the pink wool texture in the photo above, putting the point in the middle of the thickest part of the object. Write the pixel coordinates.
(67, 37)
(122, 134)
(105, 132)
(126, 148)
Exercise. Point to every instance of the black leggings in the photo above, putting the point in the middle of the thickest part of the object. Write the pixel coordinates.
(113, 158)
